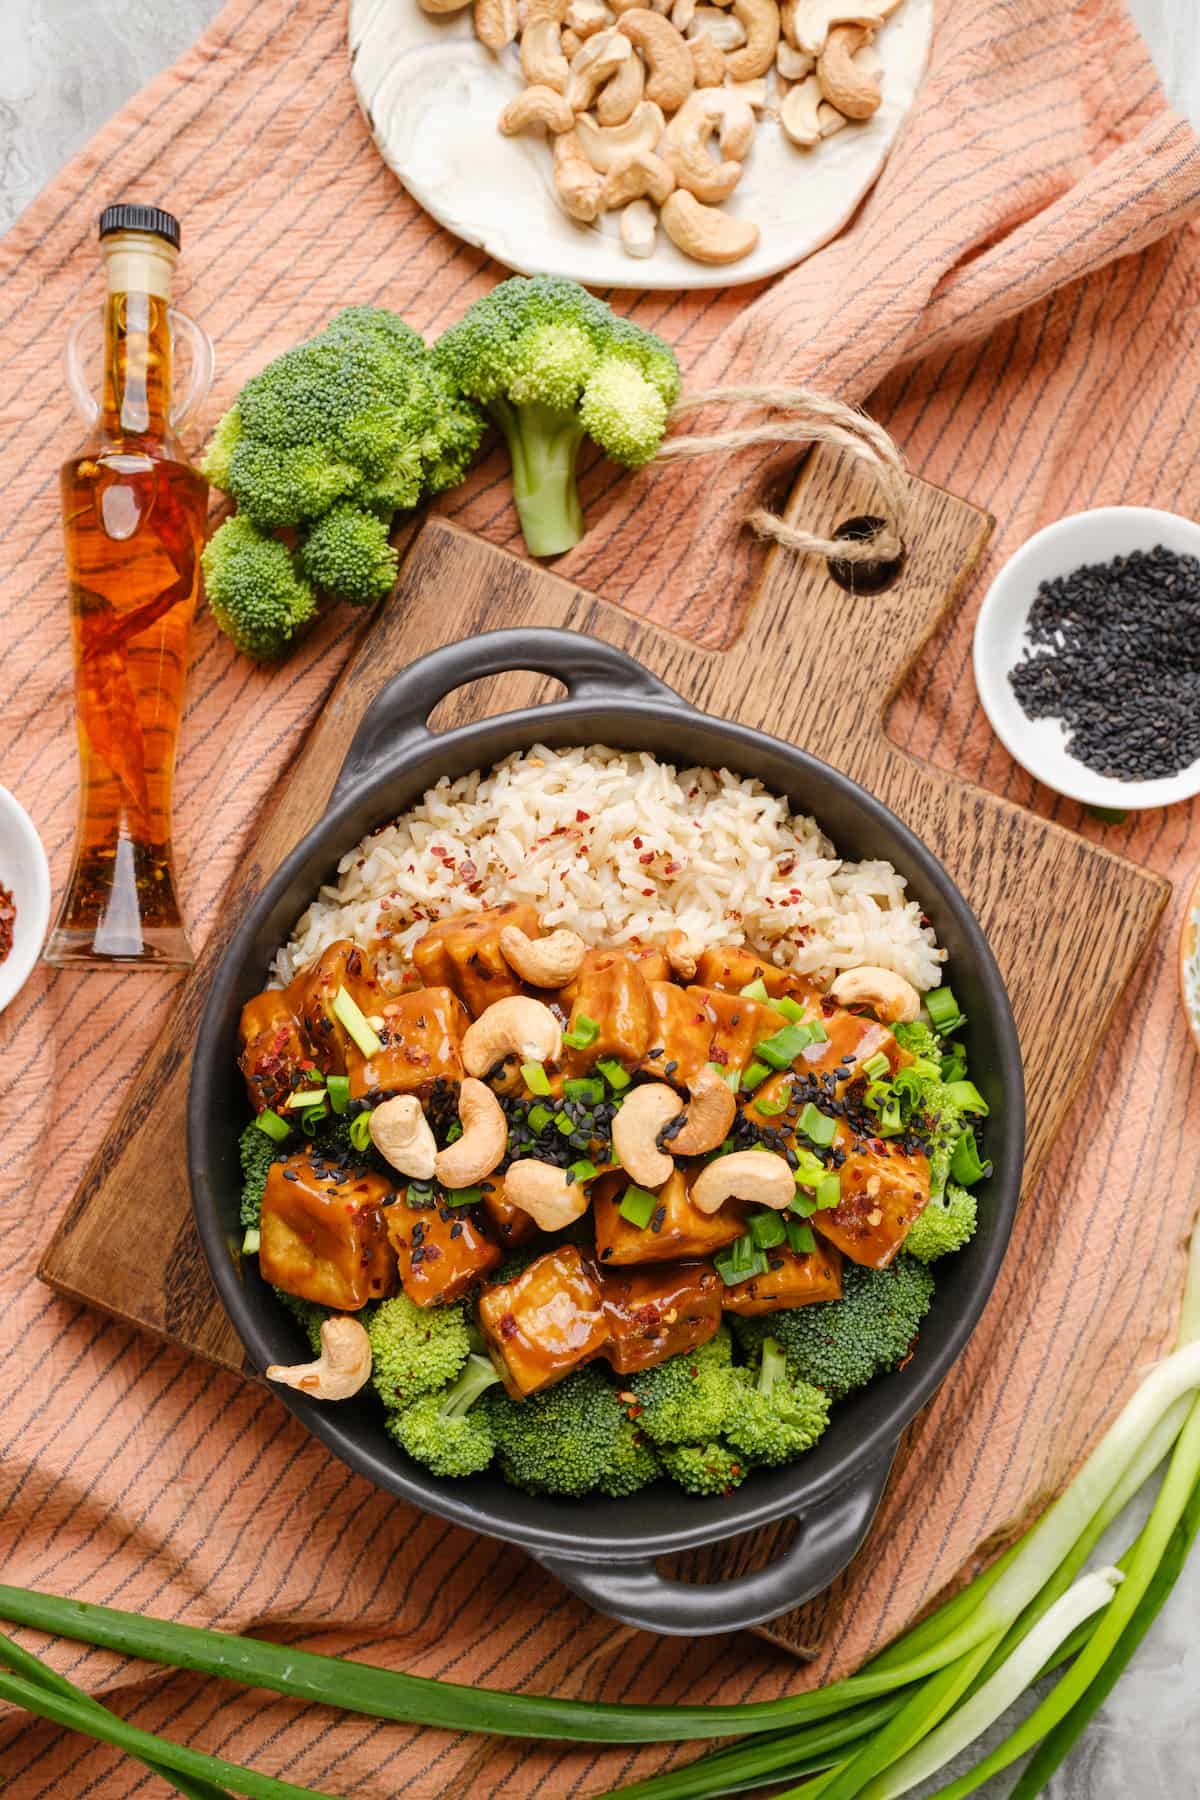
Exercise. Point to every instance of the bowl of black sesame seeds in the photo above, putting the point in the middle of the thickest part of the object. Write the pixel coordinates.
(1087, 657)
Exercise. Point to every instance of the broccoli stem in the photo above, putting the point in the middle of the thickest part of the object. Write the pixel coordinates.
(543, 444)
(477, 1375)
(773, 1367)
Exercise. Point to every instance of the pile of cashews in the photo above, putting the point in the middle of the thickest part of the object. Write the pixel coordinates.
(652, 108)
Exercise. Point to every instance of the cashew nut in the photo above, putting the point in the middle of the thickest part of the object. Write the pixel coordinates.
(516, 1026)
(483, 1142)
(576, 181)
(495, 22)
(685, 146)
(682, 14)
(548, 962)
(890, 997)
(343, 1366)
(532, 12)
(401, 1133)
(855, 91)
(586, 17)
(799, 113)
(635, 1132)
(830, 119)
(542, 61)
(442, 6)
(591, 66)
(682, 954)
(807, 23)
(622, 92)
(638, 228)
(710, 1114)
(761, 19)
(708, 62)
(536, 108)
(793, 64)
(644, 176)
(671, 77)
(726, 32)
(547, 1194)
(571, 42)
(759, 1176)
(754, 93)
(607, 145)
(705, 233)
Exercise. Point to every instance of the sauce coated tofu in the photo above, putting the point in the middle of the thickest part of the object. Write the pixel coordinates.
(464, 954)
(849, 1042)
(676, 1228)
(730, 968)
(735, 1025)
(611, 990)
(274, 1048)
(509, 1225)
(545, 1322)
(343, 964)
(883, 1192)
(440, 1251)
(680, 1034)
(793, 1278)
(660, 1311)
(322, 1233)
(422, 1043)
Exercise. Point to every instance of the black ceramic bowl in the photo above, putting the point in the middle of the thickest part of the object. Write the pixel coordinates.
(606, 1549)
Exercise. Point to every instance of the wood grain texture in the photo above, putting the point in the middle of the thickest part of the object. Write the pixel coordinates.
(813, 665)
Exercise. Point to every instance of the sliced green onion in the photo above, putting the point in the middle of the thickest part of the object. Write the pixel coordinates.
(638, 1206)
(731, 1077)
(754, 990)
(789, 1009)
(564, 1124)
(740, 1262)
(304, 1097)
(753, 1074)
(312, 1120)
(468, 1196)
(767, 1230)
(586, 1087)
(251, 1241)
(875, 1066)
(815, 1032)
(338, 1089)
(273, 1125)
(535, 1078)
(347, 1009)
(943, 1011)
(828, 1192)
(817, 1126)
(617, 1078)
(583, 1033)
(954, 1067)
(965, 1166)
(453, 1133)
(804, 1204)
(770, 1108)
(360, 1130)
(419, 1193)
(783, 1046)
(539, 1118)
(801, 1238)
(966, 1097)
(583, 1171)
(809, 1169)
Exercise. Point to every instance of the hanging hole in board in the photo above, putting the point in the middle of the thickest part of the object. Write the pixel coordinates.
(864, 577)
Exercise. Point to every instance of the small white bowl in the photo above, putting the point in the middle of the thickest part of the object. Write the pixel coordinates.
(25, 872)
(1039, 745)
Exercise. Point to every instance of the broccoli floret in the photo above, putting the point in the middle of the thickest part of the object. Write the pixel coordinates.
(560, 1441)
(257, 1152)
(446, 1431)
(840, 1345)
(705, 1468)
(920, 1038)
(256, 595)
(308, 1315)
(945, 1226)
(553, 364)
(415, 1349)
(347, 553)
(285, 484)
(777, 1418)
(687, 1399)
(632, 1465)
(214, 464)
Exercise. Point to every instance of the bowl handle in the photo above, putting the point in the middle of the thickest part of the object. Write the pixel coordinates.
(397, 717)
(637, 1594)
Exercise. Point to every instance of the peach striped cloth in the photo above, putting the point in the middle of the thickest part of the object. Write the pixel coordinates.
(1013, 302)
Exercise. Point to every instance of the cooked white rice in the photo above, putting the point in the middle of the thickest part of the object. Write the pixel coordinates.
(618, 845)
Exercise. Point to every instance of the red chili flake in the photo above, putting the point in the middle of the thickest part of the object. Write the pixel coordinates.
(436, 850)
(508, 1326)
(467, 869)
(717, 1055)
(581, 818)
(787, 867)
(637, 843)
(647, 893)
(648, 858)
(672, 868)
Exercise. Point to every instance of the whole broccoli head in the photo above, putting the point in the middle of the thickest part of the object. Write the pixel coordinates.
(840, 1345)
(776, 1418)
(705, 1468)
(560, 1441)
(256, 1152)
(687, 1399)
(347, 553)
(632, 1465)
(944, 1226)
(257, 596)
(415, 1349)
(447, 1431)
(553, 364)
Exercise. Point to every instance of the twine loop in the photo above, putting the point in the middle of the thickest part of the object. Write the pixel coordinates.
(804, 417)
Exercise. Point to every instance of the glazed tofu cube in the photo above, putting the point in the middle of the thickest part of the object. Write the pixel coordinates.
(680, 1034)
(883, 1191)
(849, 1042)
(793, 1278)
(464, 954)
(509, 1225)
(441, 1250)
(323, 1235)
(735, 1025)
(545, 1322)
(611, 990)
(659, 1311)
(676, 1227)
(651, 959)
(731, 968)
(274, 1049)
(421, 1036)
(343, 964)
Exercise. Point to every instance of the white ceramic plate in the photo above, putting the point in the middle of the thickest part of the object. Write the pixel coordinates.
(432, 93)
(1040, 745)
(26, 873)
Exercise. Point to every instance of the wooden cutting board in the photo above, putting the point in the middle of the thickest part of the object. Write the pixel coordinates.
(814, 665)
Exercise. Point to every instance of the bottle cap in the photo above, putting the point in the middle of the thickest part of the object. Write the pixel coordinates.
(140, 218)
